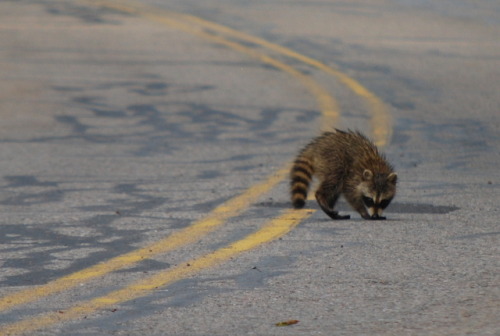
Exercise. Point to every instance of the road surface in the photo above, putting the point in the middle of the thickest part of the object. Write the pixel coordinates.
(143, 156)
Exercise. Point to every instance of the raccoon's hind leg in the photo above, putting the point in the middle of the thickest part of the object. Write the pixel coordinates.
(327, 195)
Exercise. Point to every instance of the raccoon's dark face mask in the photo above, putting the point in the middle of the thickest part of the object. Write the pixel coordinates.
(378, 192)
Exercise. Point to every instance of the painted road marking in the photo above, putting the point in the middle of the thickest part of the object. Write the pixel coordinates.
(381, 124)
(272, 230)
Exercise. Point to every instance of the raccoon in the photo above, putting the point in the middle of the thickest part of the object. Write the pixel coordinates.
(344, 162)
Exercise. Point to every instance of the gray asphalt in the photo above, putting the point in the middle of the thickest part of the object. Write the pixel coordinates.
(117, 131)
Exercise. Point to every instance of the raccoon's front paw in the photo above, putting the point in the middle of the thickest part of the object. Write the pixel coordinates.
(377, 217)
(335, 215)
(341, 217)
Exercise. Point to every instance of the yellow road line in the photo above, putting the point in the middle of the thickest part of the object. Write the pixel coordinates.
(380, 122)
(271, 230)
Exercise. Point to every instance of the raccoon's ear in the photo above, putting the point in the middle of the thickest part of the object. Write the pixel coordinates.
(392, 178)
(367, 174)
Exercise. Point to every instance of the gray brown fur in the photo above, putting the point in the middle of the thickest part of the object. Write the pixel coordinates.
(345, 163)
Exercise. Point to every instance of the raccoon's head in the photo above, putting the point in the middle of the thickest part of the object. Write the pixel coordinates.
(377, 191)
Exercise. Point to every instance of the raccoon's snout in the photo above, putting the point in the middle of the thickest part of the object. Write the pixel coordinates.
(375, 212)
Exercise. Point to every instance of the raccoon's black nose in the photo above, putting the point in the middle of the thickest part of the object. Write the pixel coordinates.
(377, 217)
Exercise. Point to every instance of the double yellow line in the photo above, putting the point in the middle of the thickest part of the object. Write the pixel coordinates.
(381, 127)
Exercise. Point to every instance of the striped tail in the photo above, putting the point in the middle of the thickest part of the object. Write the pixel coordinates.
(300, 177)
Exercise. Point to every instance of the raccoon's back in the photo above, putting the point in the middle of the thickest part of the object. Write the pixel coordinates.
(350, 143)
(339, 151)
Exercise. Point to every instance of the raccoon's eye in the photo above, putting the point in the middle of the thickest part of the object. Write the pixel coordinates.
(385, 203)
(368, 201)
